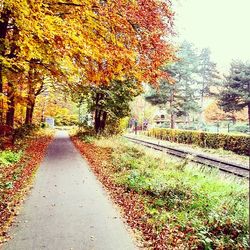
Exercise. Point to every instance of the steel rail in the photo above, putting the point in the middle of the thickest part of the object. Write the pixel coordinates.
(229, 167)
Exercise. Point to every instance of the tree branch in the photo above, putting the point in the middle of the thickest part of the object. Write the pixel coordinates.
(67, 4)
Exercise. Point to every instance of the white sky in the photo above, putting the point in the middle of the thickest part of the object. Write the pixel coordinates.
(221, 25)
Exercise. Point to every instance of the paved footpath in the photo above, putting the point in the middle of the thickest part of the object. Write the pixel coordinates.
(68, 208)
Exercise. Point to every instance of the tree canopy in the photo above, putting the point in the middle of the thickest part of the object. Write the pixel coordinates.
(193, 75)
(79, 43)
(236, 93)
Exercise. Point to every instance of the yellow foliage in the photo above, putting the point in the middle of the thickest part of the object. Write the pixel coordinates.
(81, 42)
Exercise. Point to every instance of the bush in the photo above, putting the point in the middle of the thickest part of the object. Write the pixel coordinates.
(8, 157)
(241, 128)
(66, 120)
(24, 131)
(113, 126)
(239, 144)
(44, 125)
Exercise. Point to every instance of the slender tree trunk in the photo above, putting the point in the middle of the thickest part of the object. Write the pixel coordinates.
(1, 78)
(100, 115)
(248, 107)
(10, 114)
(186, 120)
(32, 112)
(201, 119)
(172, 114)
(1, 93)
(97, 113)
(31, 96)
(97, 120)
(103, 121)
(172, 121)
(11, 106)
(43, 111)
(3, 32)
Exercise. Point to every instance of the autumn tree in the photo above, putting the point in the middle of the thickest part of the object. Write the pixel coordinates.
(23, 45)
(77, 43)
(56, 104)
(141, 32)
(213, 113)
(110, 103)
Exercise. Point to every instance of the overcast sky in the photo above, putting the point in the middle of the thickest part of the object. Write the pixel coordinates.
(221, 25)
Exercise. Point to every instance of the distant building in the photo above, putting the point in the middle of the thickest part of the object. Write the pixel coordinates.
(160, 118)
(50, 122)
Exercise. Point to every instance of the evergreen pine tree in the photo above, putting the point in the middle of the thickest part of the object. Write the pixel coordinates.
(236, 93)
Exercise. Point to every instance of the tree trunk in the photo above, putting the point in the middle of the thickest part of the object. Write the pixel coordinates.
(103, 121)
(3, 32)
(29, 113)
(97, 113)
(31, 96)
(172, 115)
(172, 121)
(27, 116)
(42, 115)
(100, 116)
(1, 92)
(11, 106)
(10, 114)
(186, 120)
(97, 120)
(201, 116)
(248, 107)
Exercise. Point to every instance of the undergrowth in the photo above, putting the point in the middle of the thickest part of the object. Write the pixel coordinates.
(210, 209)
(8, 157)
(17, 167)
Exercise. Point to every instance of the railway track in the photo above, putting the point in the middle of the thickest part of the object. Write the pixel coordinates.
(229, 167)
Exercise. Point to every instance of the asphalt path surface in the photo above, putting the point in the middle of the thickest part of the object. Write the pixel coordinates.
(67, 208)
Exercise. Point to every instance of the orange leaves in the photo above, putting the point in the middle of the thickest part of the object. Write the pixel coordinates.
(153, 22)
(111, 33)
(16, 177)
(87, 42)
(133, 204)
(124, 38)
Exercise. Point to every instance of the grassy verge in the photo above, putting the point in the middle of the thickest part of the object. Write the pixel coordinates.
(17, 167)
(173, 204)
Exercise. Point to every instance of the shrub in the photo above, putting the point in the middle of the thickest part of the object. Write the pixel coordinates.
(24, 131)
(239, 144)
(44, 125)
(241, 128)
(8, 157)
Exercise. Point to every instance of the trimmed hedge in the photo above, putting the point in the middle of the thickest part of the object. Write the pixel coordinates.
(239, 144)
